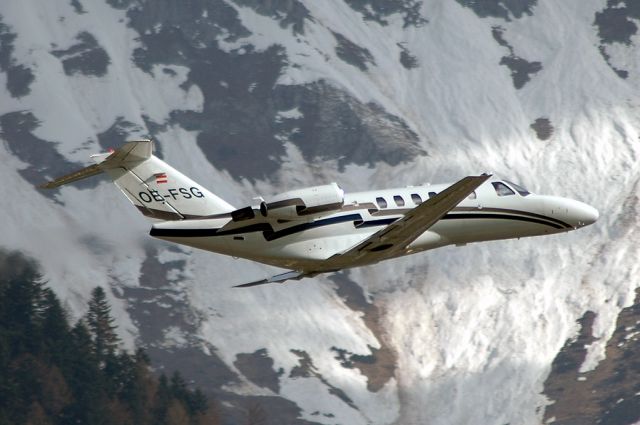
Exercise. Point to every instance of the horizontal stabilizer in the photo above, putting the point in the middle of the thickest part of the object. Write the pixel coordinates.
(279, 278)
(72, 177)
(130, 153)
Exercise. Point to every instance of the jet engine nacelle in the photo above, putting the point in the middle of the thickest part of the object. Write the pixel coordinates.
(307, 203)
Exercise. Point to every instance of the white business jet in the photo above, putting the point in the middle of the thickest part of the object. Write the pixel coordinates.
(321, 229)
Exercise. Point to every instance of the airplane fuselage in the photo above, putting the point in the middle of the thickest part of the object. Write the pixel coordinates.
(496, 210)
(321, 229)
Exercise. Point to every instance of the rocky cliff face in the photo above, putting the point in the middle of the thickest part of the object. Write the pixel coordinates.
(606, 394)
(251, 97)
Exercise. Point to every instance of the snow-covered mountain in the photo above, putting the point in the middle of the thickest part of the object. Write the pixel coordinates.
(254, 97)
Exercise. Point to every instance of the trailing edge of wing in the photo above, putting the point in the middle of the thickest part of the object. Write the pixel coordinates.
(279, 278)
(397, 235)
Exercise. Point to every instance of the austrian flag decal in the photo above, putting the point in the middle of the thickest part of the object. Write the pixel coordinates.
(161, 178)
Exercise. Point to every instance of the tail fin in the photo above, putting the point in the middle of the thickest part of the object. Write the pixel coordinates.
(154, 187)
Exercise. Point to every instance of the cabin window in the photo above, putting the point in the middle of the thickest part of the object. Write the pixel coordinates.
(502, 189)
(399, 201)
(472, 195)
(416, 198)
(521, 190)
(381, 203)
(432, 194)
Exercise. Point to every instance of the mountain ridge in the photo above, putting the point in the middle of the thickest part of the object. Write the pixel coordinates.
(310, 94)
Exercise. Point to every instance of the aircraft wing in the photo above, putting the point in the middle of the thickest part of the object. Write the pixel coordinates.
(280, 278)
(396, 236)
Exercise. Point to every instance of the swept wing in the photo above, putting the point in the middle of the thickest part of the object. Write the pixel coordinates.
(387, 242)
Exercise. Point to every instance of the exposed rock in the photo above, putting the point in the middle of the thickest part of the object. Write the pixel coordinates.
(77, 6)
(353, 54)
(19, 77)
(306, 369)
(237, 128)
(241, 128)
(44, 161)
(619, 72)
(195, 25)
(616, 25)
(543, 128)
(257, 367)
(505, 9)
(85, 57)
(615, 22)
(120, 131)
(120, 4)
(380, 366)
(378, 10)
(406, 58)
(338, 126)
(167, 324)
(609, 394)
(287, 12)
(521, 69)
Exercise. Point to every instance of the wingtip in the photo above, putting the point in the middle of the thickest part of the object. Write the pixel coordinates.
(280, 278)
(47, 185)
(250, 284)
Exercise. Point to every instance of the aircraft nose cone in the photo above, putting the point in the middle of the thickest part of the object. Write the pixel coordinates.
(574, 213)
(586, 214)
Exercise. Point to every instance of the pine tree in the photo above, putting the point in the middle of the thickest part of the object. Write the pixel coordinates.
(51, 373)
(256, 415)
(37, 415)
(20, 312)
(83, 377)
(56, 333)
(21, 289)
(194, 401)
(102, 327)
(162, 399)
(176, 414)
(138, 386)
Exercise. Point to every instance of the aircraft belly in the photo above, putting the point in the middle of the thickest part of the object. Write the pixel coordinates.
(427, 240)
(319, 248)
(300, 249)
(318, 244)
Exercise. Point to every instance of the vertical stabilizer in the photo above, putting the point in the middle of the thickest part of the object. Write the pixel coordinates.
(153, 186)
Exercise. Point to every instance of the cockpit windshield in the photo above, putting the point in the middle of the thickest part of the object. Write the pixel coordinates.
(521, 190)
(502, 189)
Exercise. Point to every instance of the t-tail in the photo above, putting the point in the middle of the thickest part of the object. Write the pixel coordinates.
(158, 190)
